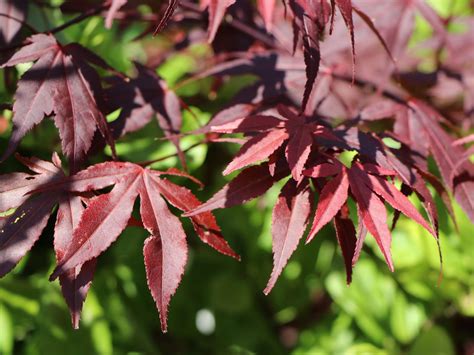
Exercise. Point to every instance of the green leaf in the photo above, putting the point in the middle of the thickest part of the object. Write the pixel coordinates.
(434, 341)
(6, 333)
(406, 319)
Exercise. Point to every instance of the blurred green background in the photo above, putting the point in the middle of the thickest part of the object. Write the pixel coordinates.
(219, 307)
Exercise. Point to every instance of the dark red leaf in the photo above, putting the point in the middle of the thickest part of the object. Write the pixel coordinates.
(166, 251)
(217, 9)
(374, 215)
(58, 83)
(76, 282)
(333, 196)
(100, 225)
(257, 149)
(22, 229)
(446, 156)
(249, 184)
(289, 220)
(323, 170)
(204, 224)
(395, 198)
(298, 150)
(256, 123)
(346, 237)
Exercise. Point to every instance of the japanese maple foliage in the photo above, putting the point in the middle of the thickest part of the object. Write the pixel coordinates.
(332, 78)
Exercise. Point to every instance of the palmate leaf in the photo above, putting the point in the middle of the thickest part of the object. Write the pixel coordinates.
(107, 215)
(59, 83)
(291, 130)
(81, 235)
(298, 117)
(418, 126)
(367, 183)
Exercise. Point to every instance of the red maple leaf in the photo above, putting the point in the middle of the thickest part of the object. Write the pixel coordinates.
(63, 84)
(108, 214)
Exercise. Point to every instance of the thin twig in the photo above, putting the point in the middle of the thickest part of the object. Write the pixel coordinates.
(22, 22)
(80, 18)
(149, 162)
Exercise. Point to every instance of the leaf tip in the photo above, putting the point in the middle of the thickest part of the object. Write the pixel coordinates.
(268, 288)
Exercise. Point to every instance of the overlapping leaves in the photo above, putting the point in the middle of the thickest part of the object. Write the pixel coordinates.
(60, 83)
(82, 235)
(299, 118)
(280, 139)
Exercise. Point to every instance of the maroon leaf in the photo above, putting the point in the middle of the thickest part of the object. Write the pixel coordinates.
(100, 225)
(445, 155)
(204, 224)
(76, 282)
(217, 10)
(289, 220)
(95, 177)
(256, 123)
(41, 166)
(374, 215)
(257, 149)
(79, 241)
(165, 252)
(346, 237)
(345, 7)
(323, 170)
(58, 83)
(298, 150)
(15, 186)
(249, 184)
(394, 197)
(333, 197)
(22, 229)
